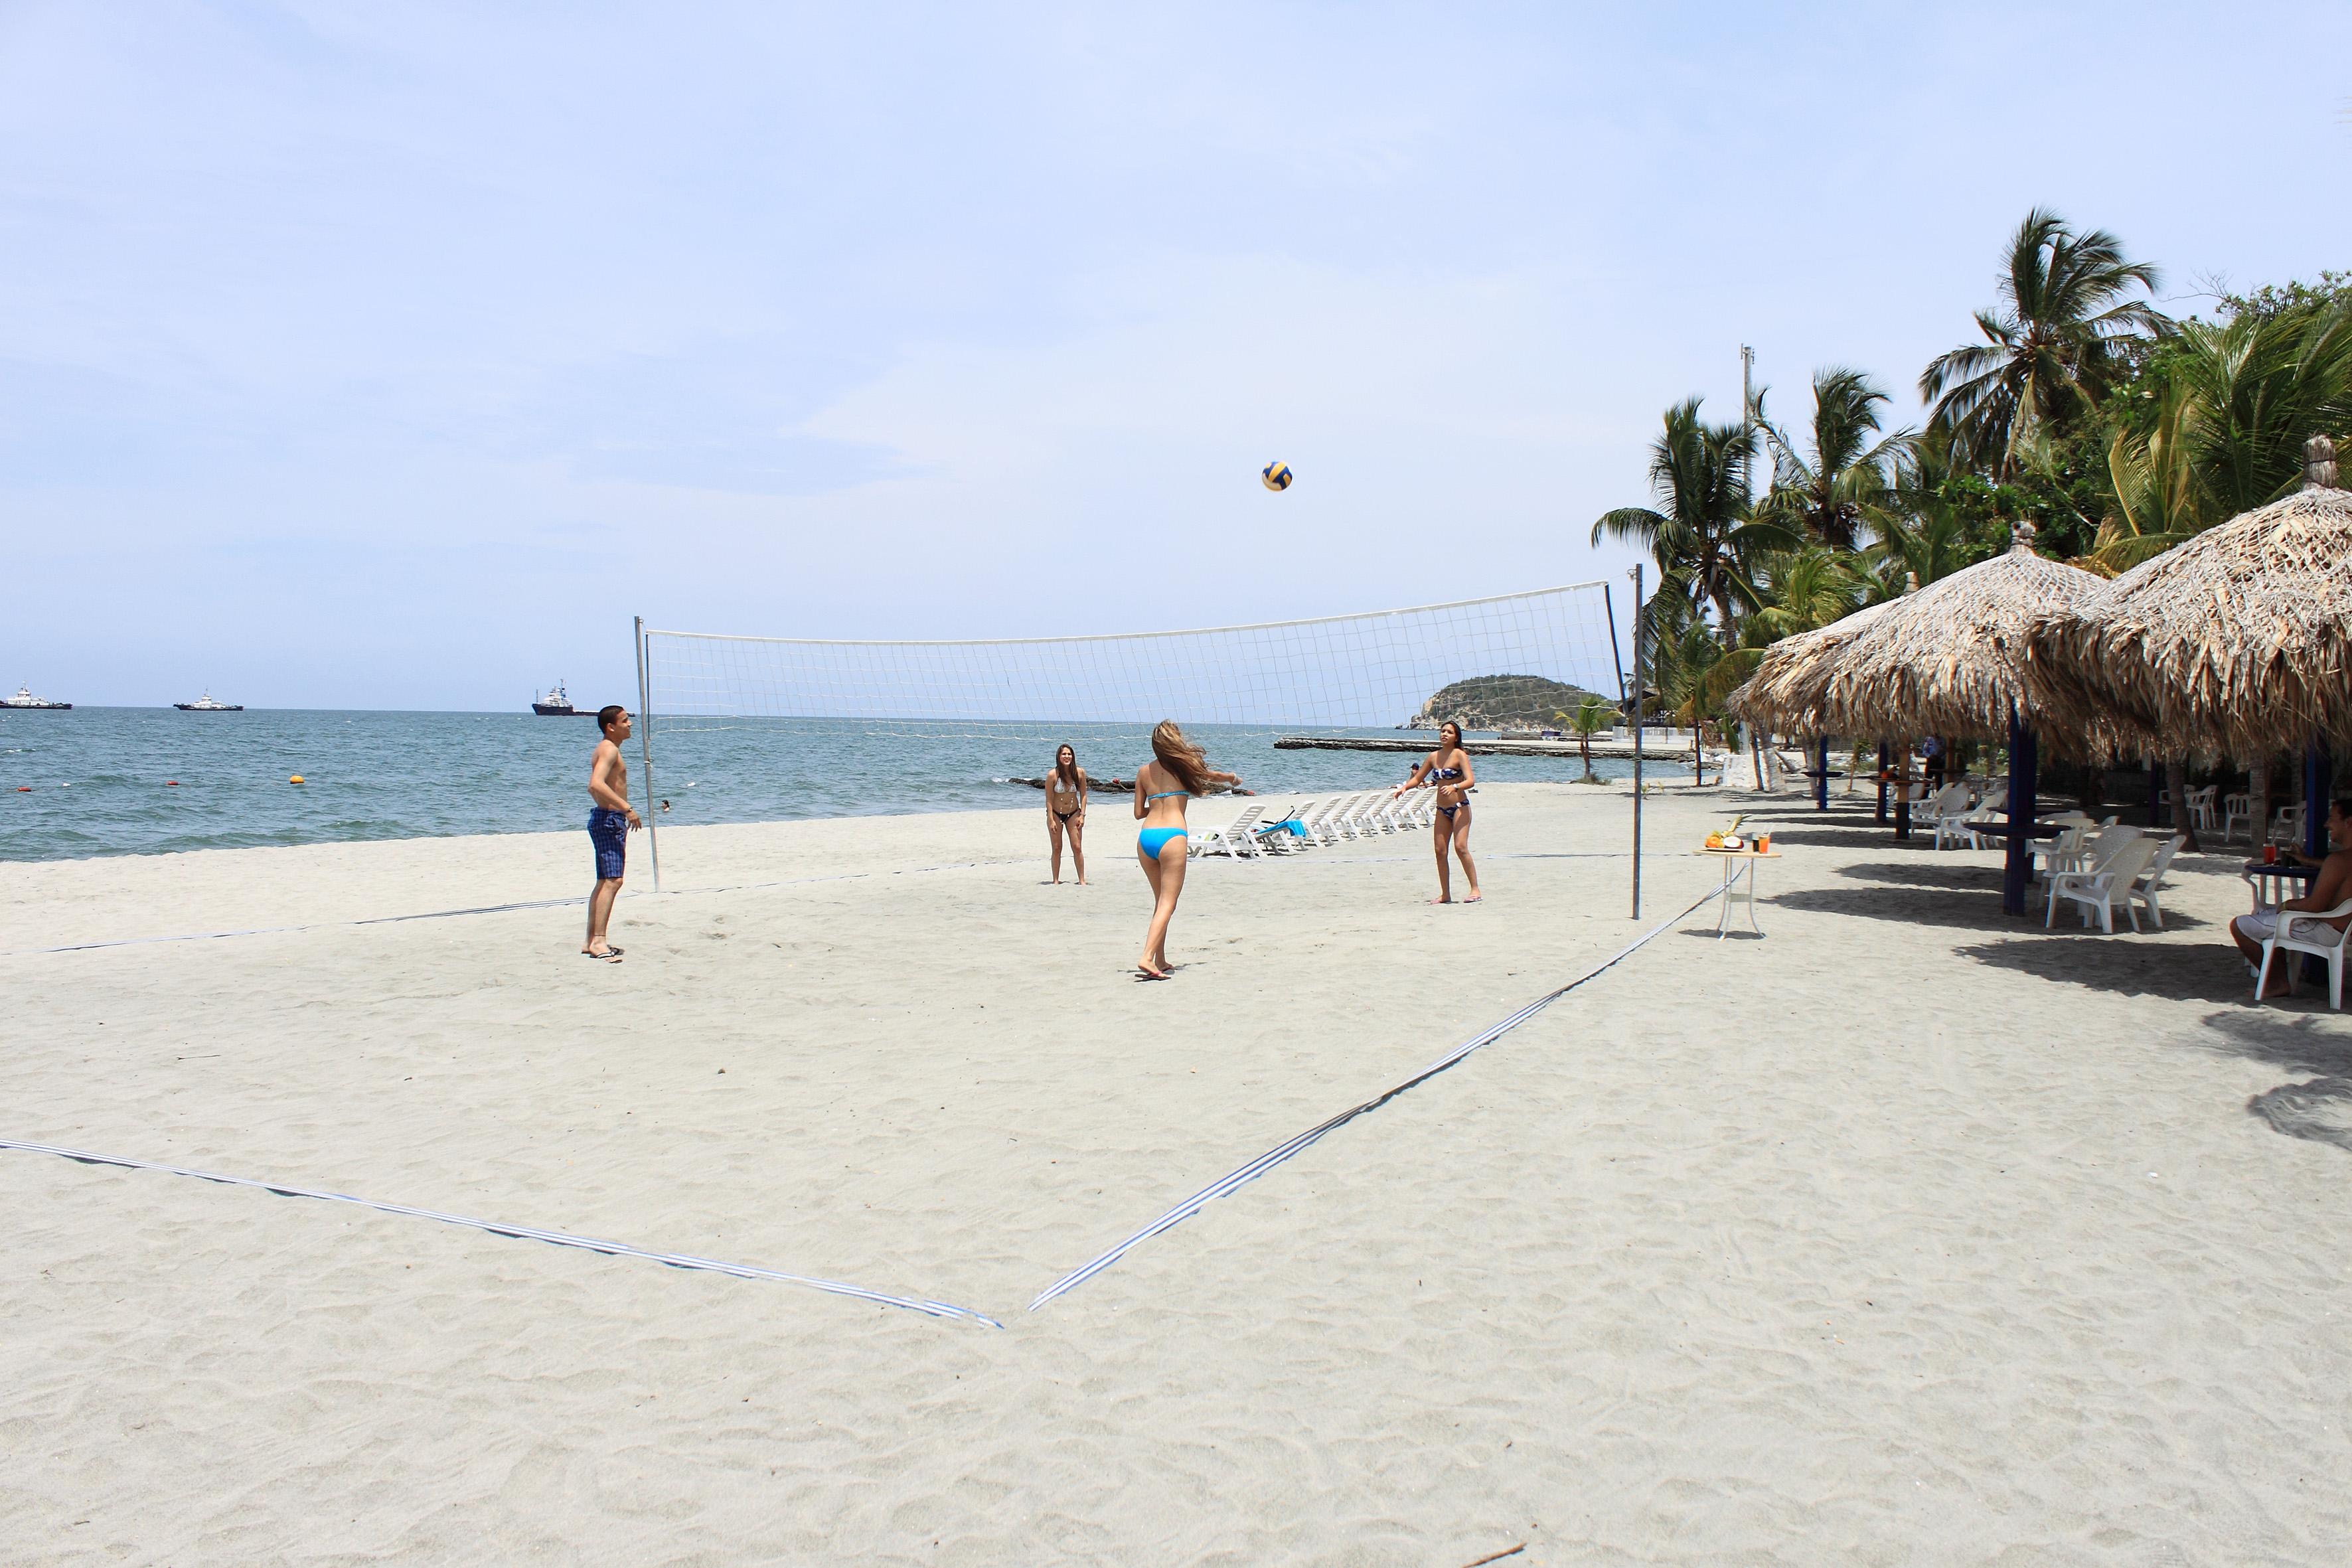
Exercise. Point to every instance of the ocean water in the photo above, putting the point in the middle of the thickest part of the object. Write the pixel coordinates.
(99, 781)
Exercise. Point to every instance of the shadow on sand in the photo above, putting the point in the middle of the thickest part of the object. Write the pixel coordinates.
(2319, 1110)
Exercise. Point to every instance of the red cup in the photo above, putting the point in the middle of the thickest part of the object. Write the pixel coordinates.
(2269, 854)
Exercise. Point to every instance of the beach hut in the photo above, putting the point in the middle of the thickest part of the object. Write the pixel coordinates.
(2237, 643)
(1946, 660)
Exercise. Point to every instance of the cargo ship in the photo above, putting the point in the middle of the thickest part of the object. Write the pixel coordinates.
(24, 698)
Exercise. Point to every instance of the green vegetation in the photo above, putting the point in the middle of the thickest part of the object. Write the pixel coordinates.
(1499, 701)
(2117, 431)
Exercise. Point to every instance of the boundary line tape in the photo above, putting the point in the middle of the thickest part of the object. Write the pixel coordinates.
(523, 1233)
(1242, 1176)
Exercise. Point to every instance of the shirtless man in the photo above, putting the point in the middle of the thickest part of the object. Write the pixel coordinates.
(611, 820)
(2332, 886)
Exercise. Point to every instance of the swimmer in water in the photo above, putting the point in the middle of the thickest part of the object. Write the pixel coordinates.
(1448, 770)
(1177, 773)
(1065, 810)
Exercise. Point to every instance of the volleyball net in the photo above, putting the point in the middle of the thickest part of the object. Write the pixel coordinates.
(958, 716)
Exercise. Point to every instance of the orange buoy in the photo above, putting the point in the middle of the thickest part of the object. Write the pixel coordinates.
(296, 779)
(24, 789)
(171, 783)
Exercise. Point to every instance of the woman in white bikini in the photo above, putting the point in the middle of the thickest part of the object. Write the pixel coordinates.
(1162, 787)
(1448, 770)
(1065, 810)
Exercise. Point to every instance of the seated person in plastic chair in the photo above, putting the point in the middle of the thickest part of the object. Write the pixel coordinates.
(2332, 886)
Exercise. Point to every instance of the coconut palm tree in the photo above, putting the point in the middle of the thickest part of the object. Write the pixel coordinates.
(1702, 532)
(1844, 486)
(2051, 348)
(2233, 404)
(1591, 717)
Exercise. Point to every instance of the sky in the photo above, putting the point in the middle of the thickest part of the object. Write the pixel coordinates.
(386, 355)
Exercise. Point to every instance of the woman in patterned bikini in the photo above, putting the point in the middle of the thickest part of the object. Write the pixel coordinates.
(1065, 810)
(1447, 770)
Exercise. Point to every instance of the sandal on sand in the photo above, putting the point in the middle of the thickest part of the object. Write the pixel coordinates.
(610, 955)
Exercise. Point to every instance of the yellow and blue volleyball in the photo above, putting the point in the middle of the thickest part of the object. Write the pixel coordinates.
(1277, 476)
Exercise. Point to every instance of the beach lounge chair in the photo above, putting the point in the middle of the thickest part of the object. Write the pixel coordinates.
(2309, 931)
(1308, 814)
(1342, 823)
(1233, 839)
(1357, 822)
(2236, 809)
(2103, 884)
(2146, 886)
(1326, 831)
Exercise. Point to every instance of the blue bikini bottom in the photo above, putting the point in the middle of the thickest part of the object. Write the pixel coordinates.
(1152, 840)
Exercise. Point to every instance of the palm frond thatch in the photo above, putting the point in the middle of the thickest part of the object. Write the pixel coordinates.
(1947, 660)
(2238, 643)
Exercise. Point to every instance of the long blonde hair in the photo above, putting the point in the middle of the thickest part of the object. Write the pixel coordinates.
(1179, 756)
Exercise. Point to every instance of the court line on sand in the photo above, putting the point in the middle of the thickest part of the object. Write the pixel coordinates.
(1242, 1176)
(524, 1233)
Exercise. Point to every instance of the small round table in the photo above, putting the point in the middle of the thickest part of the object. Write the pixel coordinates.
(1739, 867)
(2269, 880)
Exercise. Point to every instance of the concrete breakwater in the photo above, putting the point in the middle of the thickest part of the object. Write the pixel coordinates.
(1652, 748)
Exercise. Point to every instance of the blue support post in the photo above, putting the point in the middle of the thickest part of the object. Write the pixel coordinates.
(1886, 760)
(2024, 789)
(1822, 774)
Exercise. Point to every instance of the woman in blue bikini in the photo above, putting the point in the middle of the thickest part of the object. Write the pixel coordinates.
(1162, 788)
(1447, 770)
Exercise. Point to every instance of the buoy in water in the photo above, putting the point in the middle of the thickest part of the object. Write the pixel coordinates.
(24, 789)
(296, 779)
(171, 783)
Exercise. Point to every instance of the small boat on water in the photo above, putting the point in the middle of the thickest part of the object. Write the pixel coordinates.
(207, 704)
(556, 704)
(24, 698)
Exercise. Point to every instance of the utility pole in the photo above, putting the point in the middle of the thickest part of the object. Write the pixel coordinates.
(1747, 389)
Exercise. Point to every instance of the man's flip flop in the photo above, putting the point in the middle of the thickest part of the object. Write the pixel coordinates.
(610, 955)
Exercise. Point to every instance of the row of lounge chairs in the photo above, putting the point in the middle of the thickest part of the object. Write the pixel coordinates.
(1315, 821)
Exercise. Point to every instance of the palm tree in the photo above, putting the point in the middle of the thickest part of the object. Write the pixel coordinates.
(1591, 717)
(1694, 670)
(1926, 533)
(1702, 534)
(2049, 352)
(2160, 497)
(1847, 482)
(2233, 403)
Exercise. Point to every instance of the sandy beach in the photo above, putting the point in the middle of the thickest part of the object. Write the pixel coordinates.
(1904, 1234)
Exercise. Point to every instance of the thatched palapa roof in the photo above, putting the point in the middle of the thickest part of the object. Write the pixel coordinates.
(2238, 643)
(1946, 660)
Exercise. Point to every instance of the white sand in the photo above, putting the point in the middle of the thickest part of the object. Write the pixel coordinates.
(1904, 1235)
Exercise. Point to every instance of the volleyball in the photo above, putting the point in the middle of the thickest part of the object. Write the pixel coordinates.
(1277, 476)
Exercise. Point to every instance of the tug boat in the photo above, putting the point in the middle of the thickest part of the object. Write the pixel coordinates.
(208, 704)
(24, 698)
(555, 704)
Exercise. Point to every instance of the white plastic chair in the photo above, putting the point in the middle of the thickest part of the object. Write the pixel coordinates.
(2146, 886)
(2237, 809)
(2201, 808)
(2286, 827)
(1984, 815)
(2105, 884)
(1946, 808)
(2309, 931)
(2082, 855)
